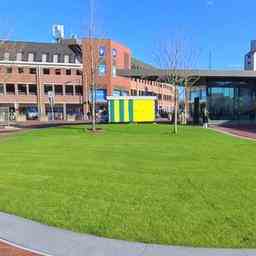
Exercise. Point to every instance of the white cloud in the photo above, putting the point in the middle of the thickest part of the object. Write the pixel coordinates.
(210, 3)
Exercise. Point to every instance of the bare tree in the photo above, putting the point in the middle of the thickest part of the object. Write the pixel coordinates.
(176, 60)
(92, 62)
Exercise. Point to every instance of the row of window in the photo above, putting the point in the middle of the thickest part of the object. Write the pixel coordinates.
(46, 71)
(22, 89)
(148, 93)
(154, 83)
(31, 89)
(141, 93)
(168, 97)
(56, 58)
(68, 72)
(59, 89)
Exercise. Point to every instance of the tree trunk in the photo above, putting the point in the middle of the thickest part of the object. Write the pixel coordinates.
(93, 108)
(176, 106)
(186, 107)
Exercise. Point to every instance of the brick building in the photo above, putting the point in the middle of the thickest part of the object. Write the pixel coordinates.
(29, 71)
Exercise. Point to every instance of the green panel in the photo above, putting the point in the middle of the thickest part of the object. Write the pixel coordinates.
(111, 111)
(131, 110)
(121, 108)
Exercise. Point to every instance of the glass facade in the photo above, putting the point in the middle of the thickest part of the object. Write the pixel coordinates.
(227, 100)
(120, 93)
(100, 95)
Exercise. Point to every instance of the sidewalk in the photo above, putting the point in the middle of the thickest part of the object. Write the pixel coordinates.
(57, 242)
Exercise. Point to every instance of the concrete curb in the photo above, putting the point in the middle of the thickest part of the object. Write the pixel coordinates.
(45, 240)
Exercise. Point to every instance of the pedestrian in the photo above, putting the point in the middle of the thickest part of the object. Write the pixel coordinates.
(205, 118)
(89, 115)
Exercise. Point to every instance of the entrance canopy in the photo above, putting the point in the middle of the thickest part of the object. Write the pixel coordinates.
(161, 74)
(228, 95)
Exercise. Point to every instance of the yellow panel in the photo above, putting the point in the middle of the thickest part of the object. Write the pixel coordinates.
(144, 110)
(117, 111)
(126, 111)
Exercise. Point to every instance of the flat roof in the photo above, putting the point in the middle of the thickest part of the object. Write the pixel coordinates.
(158, 73)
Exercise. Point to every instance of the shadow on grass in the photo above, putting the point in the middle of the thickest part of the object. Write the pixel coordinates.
(82, 128)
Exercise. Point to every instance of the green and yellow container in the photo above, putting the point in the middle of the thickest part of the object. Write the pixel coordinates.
(125, 109)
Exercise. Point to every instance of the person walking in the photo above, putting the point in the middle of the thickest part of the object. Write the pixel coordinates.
(205, 118)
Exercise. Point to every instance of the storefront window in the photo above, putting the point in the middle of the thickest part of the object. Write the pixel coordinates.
(231, 100)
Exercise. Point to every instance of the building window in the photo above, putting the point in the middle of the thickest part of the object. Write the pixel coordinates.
(68, 72)
(32, 89)
(117, 93)
(102, 51)
(69, 90)
(57, 71)
(113, 71)
(6, 56)
(31, 57)
(1, 89)
(10, 89)
(78, 72)
(142, 93)
(79, 90)
(102, 69)
(55, 58)
(22, 89)
(32, 71)
(9, 70)
(77, 61)
(114, 53)
(45, 57)
(46, 71)
(47, 88)
(19, 56)
(134, 92)
(20, 70)
(58, 89)
(66, 59)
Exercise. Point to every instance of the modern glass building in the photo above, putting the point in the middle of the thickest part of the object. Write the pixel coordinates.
(227, 95)
(225, 98)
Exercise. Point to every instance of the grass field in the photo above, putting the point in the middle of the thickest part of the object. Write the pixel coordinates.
(134, 182)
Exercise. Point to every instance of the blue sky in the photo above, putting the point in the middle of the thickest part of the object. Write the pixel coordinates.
(224, 27)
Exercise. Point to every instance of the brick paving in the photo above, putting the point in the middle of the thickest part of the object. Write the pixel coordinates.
(243, 131)
(8, 250)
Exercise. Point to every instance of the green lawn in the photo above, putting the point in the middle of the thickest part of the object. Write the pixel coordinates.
(134, 182)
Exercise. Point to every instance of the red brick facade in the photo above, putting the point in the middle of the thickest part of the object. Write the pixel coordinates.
(122, 60)
(26, 84)
(19, 90)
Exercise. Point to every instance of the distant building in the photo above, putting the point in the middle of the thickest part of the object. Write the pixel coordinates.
(250, 58)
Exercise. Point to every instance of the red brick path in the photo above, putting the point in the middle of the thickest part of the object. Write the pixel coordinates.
(7, 250)
(241, 131)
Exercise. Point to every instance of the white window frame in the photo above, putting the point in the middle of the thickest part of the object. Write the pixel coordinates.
(31, 57)
(66, 58)
(55, 58)
(19, 56)
(6, 56)
(44, 57)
